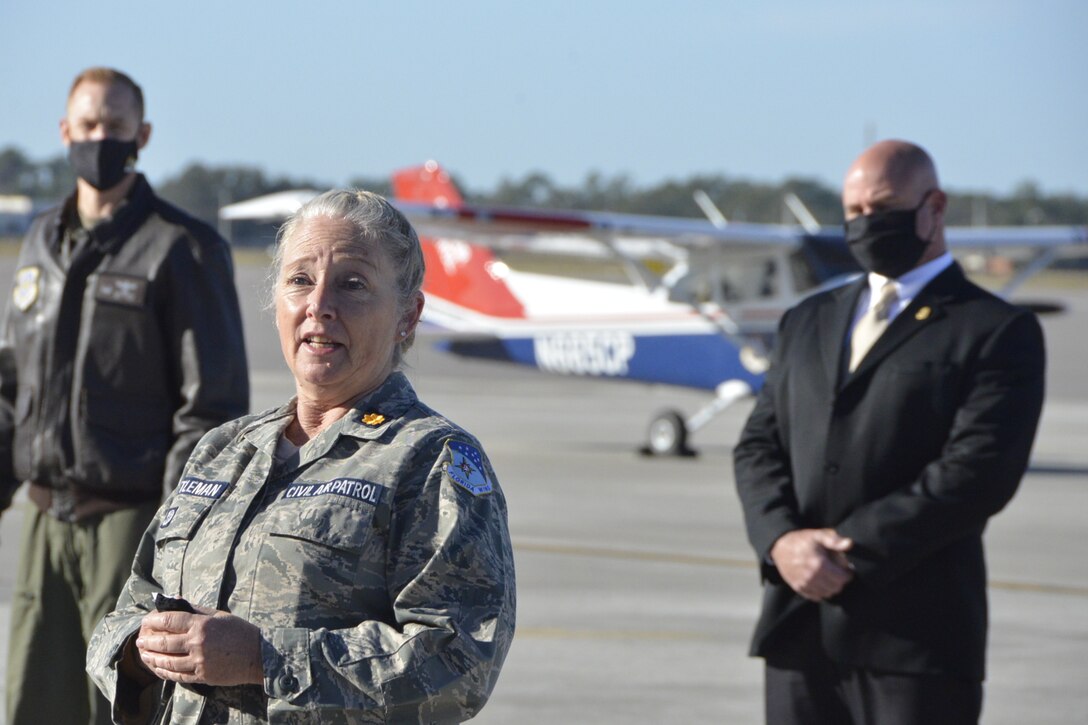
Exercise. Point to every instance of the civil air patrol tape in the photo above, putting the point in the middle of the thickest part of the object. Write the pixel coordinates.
(353, 488)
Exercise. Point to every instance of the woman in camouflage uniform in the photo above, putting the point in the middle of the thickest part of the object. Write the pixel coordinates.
(346, 556)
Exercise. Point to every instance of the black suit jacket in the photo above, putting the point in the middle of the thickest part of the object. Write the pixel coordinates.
(908, 456)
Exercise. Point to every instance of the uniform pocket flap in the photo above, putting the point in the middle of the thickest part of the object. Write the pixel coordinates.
(180, 519)
(331, 524)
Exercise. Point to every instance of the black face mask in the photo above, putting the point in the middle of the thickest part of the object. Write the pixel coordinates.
(102, 164)
(886, 242)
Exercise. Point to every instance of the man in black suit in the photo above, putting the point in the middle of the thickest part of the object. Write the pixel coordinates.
(868, 469)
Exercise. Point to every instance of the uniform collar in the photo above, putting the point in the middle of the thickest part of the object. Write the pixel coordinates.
(114, 230)
(368, 419)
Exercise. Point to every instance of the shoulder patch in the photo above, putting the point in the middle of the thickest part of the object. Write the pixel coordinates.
(168, 517)
(27, 286)
(466, 468)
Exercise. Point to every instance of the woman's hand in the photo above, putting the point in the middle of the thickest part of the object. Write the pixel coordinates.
(210, 647)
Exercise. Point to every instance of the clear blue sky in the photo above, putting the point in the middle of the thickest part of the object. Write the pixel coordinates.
(997, 90)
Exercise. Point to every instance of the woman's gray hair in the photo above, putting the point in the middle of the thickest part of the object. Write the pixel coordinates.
(375, 220)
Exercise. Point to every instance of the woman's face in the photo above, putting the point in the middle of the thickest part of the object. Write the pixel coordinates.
(337, 312)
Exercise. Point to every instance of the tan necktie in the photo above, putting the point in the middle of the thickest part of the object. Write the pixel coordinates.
(872, 325)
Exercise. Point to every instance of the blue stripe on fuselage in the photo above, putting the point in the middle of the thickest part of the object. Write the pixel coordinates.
(701, 361)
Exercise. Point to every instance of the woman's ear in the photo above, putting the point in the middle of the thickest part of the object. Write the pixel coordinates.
(411, 316)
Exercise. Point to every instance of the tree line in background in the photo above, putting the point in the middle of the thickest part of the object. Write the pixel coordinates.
(201, 189)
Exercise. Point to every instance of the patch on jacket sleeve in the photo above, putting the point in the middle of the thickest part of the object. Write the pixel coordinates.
(28, 282)
(466, 468)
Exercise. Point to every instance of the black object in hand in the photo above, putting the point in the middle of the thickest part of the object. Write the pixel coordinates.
(164, 603)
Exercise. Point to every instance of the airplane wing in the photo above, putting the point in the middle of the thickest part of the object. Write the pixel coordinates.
(480, 221)
(1026, 237)
(428, 197)
(431, 200)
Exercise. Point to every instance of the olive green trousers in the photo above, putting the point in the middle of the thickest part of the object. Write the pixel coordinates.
(70, 575)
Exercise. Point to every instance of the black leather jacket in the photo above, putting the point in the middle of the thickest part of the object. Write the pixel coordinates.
(114, 365)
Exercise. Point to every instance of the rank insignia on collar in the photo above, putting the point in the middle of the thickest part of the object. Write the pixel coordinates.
(466, 468)
(373, 419)
(923, 313)
(27, 285)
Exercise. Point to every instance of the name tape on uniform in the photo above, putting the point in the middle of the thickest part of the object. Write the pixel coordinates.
(193, 487)
(354, 488)
(121, 289)
(466, 468)
(202, 488)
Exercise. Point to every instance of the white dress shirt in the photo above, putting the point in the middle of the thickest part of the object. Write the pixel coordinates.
(907, 286)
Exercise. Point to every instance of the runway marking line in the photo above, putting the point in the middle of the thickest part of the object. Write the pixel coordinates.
(634, 555)
(730, 563)
(612, 634)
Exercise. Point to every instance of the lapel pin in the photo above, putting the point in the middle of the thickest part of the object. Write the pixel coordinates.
(923, 313)
(373, 418)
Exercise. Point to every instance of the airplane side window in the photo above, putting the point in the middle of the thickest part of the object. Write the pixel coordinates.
(769, 285)
(804, 277)
(746, 280)
(730, 281)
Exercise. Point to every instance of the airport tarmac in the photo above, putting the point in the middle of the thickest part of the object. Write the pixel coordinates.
(637, 591)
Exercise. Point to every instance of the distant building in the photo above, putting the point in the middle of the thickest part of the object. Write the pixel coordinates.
(16, 212)
(254, 222)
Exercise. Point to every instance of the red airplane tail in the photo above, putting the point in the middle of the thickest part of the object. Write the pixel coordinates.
(428, 184)
(468, 275)
(458, 272)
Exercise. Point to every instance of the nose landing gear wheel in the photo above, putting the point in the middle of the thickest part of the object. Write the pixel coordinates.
(667, 436)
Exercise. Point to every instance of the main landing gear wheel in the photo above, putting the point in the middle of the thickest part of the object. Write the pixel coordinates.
(667, 436)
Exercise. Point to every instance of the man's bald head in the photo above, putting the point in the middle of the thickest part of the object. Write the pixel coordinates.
(888, 175)
(898, 175)
(901, 159)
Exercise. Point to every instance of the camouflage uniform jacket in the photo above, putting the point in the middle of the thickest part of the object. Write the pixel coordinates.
(377, 564)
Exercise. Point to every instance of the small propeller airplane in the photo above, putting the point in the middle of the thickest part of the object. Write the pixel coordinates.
(706, 321)
(696, 305)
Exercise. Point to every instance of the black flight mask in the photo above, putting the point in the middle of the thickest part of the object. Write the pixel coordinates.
(886, 242)
(102, 164)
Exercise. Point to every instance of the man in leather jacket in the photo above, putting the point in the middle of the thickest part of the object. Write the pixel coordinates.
(120, 346)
